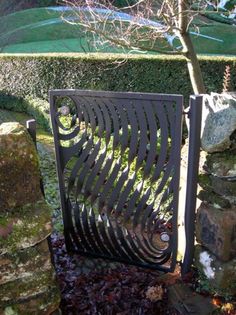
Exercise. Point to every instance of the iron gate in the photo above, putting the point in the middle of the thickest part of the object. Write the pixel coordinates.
(118, 164)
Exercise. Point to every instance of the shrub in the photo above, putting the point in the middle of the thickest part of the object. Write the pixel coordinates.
(34, 75)
(37, 108)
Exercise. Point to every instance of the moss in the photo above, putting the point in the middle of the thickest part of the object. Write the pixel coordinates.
(45, 137)
(26, 287)
(30, 224)
(221, 164)
(204, 181)
(45, 303)
(214, 199)
(19, 163)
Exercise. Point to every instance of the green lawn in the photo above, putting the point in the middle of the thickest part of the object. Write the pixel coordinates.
(43, 30)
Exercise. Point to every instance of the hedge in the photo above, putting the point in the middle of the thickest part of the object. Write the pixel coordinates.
(33, 75)
(37, 108)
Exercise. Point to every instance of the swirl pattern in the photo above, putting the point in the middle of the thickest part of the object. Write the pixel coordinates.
(118, 161)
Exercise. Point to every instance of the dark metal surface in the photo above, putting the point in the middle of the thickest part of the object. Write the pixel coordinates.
(31, 127)
(195, 117)
(118, 163)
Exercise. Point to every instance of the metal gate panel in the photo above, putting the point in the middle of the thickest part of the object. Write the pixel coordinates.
(118, 164)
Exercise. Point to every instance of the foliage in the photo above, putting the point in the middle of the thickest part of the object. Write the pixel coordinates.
(33, 75)
(96, 286)
(149, 26)
(226, 79)
(35, 107)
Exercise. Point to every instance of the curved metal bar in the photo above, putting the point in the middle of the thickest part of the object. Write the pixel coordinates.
(124, 142)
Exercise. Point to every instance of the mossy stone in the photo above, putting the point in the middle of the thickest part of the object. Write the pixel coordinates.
(214, 199)
(24, 262)
(218, 122)
(221, 277)
(38, 294)
(25, 226)
(204, 182)
(224, 188)
(215, 229)
(19, 167)
(221, 164)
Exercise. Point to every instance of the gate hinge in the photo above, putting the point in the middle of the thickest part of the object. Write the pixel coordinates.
(187, 112)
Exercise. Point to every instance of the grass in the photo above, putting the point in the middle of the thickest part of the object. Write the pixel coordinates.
(224, 32)
(61, 46)
(41, 30)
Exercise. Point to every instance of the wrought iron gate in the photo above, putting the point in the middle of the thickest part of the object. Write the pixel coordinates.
(118, 164)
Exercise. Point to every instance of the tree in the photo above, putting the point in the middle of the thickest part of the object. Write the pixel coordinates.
(148, 26)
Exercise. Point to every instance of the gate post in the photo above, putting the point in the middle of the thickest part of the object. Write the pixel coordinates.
(195, 117)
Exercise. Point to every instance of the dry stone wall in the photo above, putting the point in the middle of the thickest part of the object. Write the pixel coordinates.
(27, 277)
(215, 253)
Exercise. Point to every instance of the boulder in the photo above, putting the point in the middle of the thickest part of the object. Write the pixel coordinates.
(30, 294)
(216, 230)
(28, 260)
(221, 277)
(25, 227)
(218, 122)
(44, 303)
(225, 188)
(19, 172)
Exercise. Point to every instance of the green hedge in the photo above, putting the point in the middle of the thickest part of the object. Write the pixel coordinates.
(34, 75)
(37, 108)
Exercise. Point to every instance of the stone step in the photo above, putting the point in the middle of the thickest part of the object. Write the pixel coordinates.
(186, 302)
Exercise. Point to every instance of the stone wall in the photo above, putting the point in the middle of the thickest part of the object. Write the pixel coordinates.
(215, 253)
(27, 278)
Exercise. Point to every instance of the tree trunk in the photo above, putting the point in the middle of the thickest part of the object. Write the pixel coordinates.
(194, 69)
(188, 49)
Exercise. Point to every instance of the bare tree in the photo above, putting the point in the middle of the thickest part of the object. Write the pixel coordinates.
(148, 26)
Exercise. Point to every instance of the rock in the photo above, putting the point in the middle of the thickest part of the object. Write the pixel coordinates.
(216, 230)
(25, 227)
(27, 277)
(224, 188)
(26, 287)
(221, 165)
(218, 122)
(19, 172)
(214, 199)
(44, 303)
(204, 182)
(220, 276)
(186, 302)
(28, 260)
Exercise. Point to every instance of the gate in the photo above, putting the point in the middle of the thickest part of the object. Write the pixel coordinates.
(118, 165)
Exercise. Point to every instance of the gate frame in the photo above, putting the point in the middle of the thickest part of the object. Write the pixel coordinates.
(194, 115)
(195, 118)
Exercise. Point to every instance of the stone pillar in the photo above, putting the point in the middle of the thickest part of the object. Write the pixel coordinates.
(27, 277)
(216, 217)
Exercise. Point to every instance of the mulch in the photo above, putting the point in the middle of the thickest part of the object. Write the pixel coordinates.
(97, 287)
